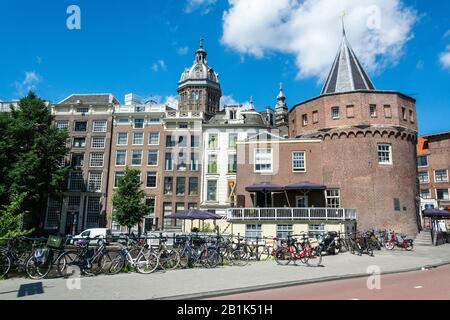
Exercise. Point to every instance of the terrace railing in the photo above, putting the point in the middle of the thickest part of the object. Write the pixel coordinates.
(291, 214)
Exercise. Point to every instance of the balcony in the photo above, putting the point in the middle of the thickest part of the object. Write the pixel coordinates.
(291, 214)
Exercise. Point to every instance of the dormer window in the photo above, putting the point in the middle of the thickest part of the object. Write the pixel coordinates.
(233, 115)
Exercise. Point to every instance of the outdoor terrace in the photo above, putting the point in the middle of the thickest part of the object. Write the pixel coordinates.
(291, 214)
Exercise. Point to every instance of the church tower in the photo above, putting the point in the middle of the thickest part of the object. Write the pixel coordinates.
(199, 87)
(281, 109)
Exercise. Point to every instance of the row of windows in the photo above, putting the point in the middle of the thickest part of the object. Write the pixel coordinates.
(96, 142)
(138, 123)
(82, 126)
(213, 140)
(181, 141)
(94, 183)
(213, 164)
(439, 176)
(441, 194)
(152, 160)
(254, 231)
(336, 113)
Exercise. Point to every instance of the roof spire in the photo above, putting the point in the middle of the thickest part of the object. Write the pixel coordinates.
(344, 13)
(251, 106)
(281, 94)
(201, 41)
(200, 55)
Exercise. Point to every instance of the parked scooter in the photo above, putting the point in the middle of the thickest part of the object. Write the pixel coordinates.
(328, 243)
(396, 240)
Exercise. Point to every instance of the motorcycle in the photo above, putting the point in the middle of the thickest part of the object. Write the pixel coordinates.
(328, 243)
(402, 242)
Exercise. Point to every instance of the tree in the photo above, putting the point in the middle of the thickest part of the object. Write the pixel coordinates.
(128, 204)
(31, 153)
(11, 218)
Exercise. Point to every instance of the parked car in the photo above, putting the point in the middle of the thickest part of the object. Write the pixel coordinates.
(93, 234)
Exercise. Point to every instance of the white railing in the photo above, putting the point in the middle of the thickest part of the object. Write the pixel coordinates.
(286, 214)
(184, 114)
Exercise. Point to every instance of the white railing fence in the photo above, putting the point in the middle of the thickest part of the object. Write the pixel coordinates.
(261, 214)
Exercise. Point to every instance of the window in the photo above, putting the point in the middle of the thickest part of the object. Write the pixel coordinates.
(425, 194)
(424, 177)
(212, 163)
(397, 206)
(155, 120)
(167, 209)
(53, 214)
(212, 141)
(284, 230)
(384, 154)
(195, 141)
(182, 141)
(62, 124)
(121, 157)
(211, 190)
(253, 231)
(123, 121)
(441, 175)
(151, 179)
(232, 140)
(117, 177)
(305, 120)
(98, 143)
(315, 230)
(83, 110)
(335, 113)
(95, 181)
(151, 204)
(93, 212)
(183, 125)
(168, 162)
(152, 159)
(181, 165)
(373, 111)
(77, 160)
(411, 116)
(122, 138)
(76, 181)
(350, 111)
(168, 185)
(263, 160)
(170, 141)
(192, 205)
(333, 198)
(194, 162)
(79, 142)
(80, 126)
(96, 160)
(387, 111)
(74, 201)
(100, 126)
(422, 161)
(138, 123)
(138, 138)
(298, 162)
(315, 116)
(404, 113)
(232, 163)
(193, 186)
(153, 138)
(442, 194)
(181, 186)
(136, 159)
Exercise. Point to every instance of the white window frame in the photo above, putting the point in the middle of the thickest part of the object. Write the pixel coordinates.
(157, 158)
(210, 135)
(134, 123)
(96, 181)
(94, 161)
(96, 144)
(298, 169)
(330, 198)
(333, 116)
(79, 180)
(141, 139)
(389, 152)
(448, 194)
(133, 152)
(121, 165)
(305, 119)
(62, 124)
(217, 190)
(100, 126)
(79, 147)
(373, 111)
(149, 139)
(441, 181)
(260, 163)
(156, 180)
(423, 156)
(429, 194)
(118, 138)
(117, 173)
(428, 177)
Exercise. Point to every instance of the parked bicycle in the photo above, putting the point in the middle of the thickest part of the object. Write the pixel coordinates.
(293, 250)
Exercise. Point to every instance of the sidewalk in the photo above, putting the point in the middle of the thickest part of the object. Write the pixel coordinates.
(202, 283)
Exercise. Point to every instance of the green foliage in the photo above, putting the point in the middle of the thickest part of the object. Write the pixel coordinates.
(207, 228)
(31, 150)
(11, 218)
(128, 204)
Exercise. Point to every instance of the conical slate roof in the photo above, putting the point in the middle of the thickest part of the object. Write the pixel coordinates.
(347, 74)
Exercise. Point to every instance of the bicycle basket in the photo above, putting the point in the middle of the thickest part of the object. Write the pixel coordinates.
(41, 256)
(54, 242)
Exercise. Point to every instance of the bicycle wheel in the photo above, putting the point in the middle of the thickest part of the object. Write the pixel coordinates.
(117, 264)
(389, 245)
(169, 259)
(37, 270)
(265, 254)
(283, 256)
(68, 264)
(409, 246)
(314, 257)
(184, 260)
(147, 263)
(106, 260)
(238, 258)
(5, 264)
(211, 259)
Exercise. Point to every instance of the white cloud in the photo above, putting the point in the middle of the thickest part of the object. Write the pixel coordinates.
(182, 51)
(204, 5)
(160, 65)
(171, 101)
(444, 58)
(310, 30)
(228, 100)
(30, 82)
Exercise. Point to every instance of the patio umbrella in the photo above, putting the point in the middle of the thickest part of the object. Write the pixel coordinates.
(305, 185)
(265, 187)
(194, 214)
(436, 213)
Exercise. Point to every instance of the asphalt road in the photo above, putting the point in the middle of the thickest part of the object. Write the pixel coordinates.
(432, 284)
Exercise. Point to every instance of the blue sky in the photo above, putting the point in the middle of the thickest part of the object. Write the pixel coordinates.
(143, 46)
